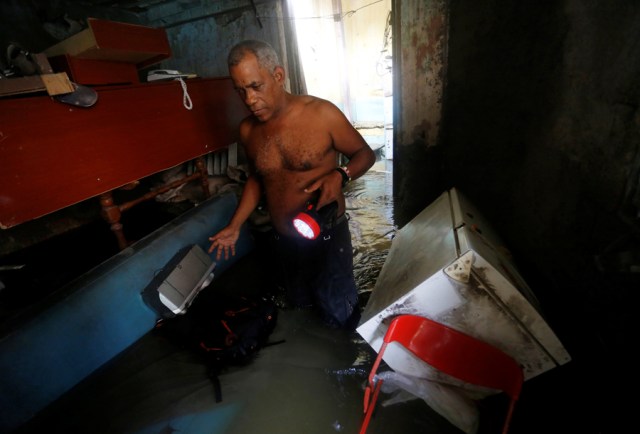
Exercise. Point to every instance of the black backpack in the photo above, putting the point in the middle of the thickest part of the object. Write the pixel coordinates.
(225, 330)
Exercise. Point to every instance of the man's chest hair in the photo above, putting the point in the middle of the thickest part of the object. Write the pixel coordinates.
(289, 152)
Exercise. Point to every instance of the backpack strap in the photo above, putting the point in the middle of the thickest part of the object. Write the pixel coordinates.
(217, 389)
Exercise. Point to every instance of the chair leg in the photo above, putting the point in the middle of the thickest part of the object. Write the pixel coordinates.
(507, 420)
(372, 376)
(371, 407)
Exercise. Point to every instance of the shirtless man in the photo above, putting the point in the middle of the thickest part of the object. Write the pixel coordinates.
(292, 144)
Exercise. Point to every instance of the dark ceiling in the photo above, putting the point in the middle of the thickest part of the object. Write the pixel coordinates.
(135, 6)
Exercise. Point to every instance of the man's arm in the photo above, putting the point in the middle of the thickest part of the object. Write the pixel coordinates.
(349, 142)
(225, 240)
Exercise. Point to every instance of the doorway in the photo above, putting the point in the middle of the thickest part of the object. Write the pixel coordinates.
(346, 57)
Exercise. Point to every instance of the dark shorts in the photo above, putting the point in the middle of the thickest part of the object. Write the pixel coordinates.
(319, 273)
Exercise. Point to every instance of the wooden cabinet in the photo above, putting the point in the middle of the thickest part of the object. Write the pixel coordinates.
(53, 155)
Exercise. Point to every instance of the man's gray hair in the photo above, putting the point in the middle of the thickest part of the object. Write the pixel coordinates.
(266, 55)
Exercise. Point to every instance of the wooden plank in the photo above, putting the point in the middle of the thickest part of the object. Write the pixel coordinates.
(43, 63)
(47, 81)
(19, 85)
(57, 84)
(53, 155)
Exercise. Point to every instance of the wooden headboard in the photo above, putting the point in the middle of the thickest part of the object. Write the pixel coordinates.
(53, 155)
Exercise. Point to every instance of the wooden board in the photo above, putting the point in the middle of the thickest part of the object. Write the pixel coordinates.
(54, 84)
(57, 84)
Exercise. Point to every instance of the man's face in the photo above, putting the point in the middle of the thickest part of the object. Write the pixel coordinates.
(258, 88)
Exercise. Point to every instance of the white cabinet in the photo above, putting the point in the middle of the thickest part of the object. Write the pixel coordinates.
(447, 264)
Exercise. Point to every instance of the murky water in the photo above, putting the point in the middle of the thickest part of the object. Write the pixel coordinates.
(370, 206)
(311, 384)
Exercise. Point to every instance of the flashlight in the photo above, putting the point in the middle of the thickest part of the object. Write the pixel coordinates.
(310, 221)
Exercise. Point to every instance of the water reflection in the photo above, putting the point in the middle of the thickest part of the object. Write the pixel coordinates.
(370, 206)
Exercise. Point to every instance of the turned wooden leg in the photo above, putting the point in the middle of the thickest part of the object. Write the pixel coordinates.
(201, 167)
(111, 213)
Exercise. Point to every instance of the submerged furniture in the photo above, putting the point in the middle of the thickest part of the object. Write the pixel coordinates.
(77, 330)
(448, 265)
(452, 352)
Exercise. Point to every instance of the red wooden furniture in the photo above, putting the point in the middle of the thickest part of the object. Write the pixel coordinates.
(93, 72)
(452, 352)
(120, 42)
(53, 155)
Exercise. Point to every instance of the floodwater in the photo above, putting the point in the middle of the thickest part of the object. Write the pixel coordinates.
(312, 382)
(370, 206)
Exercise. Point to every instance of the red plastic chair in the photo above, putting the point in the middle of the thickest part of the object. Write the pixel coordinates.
(452, 352)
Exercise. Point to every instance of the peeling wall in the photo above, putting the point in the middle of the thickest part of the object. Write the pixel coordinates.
(420, 41)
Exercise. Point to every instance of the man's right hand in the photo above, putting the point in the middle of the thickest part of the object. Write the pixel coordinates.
(225, 240)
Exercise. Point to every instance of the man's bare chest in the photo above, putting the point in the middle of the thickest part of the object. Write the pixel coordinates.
(289, 151)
